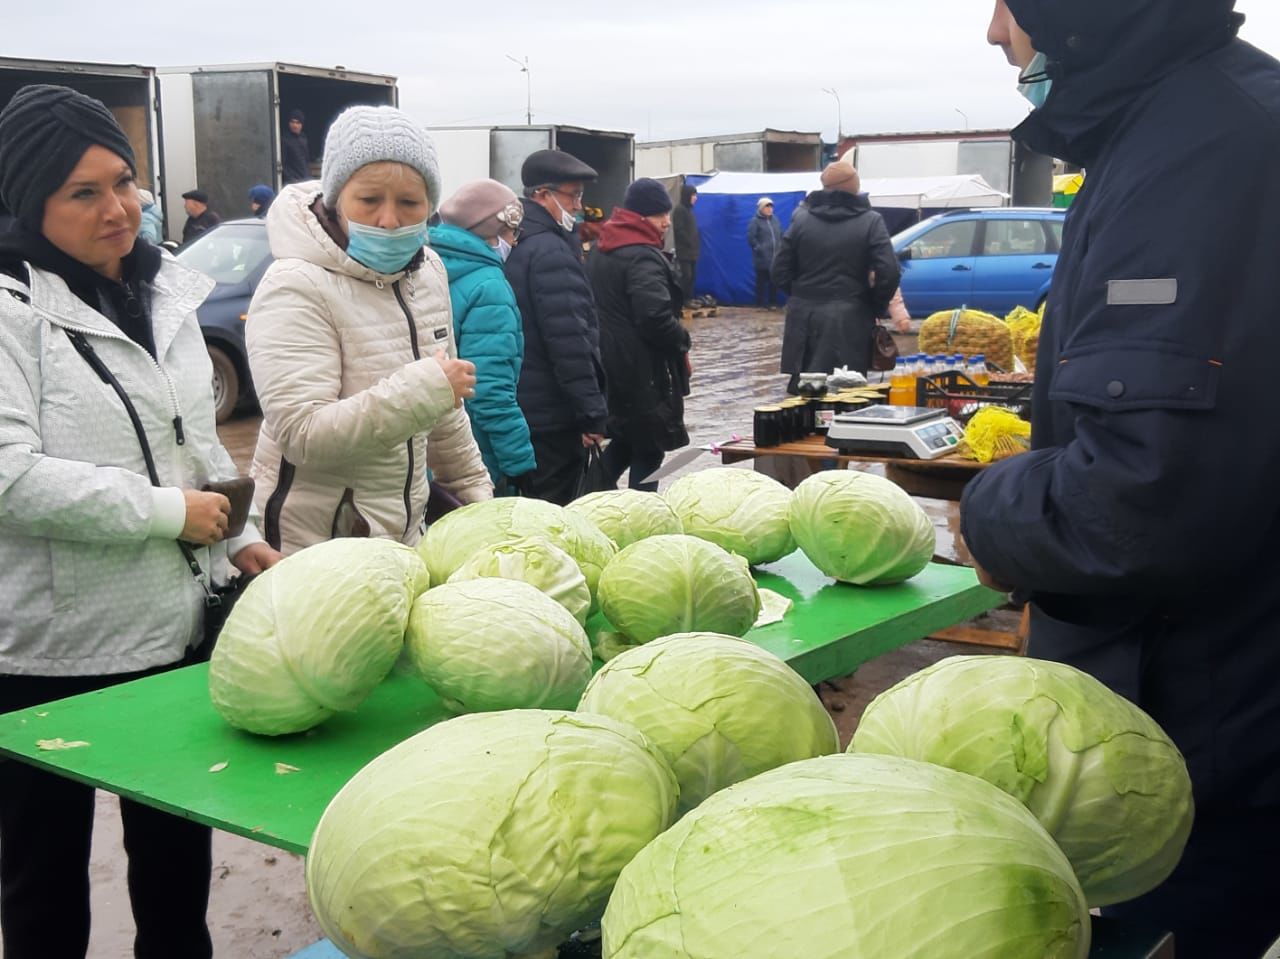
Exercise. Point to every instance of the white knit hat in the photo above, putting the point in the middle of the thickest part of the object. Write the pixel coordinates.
(363, 135)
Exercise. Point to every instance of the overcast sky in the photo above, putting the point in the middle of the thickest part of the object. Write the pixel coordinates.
(658, 69)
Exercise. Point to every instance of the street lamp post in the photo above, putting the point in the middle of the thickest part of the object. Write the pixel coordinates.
(528, 87)
(963, 115)
(839, 115)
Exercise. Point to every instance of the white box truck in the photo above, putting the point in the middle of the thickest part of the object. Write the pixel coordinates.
(222, 125)
(128, 91)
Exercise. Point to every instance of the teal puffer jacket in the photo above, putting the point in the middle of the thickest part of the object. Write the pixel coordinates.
(486, 325)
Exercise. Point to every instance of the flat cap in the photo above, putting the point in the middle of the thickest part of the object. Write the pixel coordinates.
(554, 166)
(198, 195)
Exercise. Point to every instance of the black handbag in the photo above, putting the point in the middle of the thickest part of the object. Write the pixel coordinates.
(884, 349)
(594, 478)
(218, 600)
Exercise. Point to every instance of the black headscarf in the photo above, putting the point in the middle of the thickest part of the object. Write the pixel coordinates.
(44, 131)
(127, 302)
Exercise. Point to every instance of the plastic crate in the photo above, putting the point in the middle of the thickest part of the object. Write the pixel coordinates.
(961, 397)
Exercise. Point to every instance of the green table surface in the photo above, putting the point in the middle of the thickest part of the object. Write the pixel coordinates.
(158, 740)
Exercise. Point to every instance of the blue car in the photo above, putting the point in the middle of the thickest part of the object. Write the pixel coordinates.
(991, 260)
(235, 254)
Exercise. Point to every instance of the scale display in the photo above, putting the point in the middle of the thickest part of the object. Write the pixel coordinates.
(910, 431)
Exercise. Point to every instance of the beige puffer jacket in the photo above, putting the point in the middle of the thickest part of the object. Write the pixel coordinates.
(355, 407)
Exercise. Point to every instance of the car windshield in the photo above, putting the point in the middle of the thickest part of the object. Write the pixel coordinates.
(229, 253)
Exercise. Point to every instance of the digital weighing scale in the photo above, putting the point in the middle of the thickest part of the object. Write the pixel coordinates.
(911, 431)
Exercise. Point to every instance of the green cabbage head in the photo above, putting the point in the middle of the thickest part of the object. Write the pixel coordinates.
(721, 709)
(739, 510)
(628, 515)
(851, 856)
(484, 837)
(536, 561)
(490, 644)
(314, 634)
(453, 540)
(1097, 771)
(678, 584)
(860, 528)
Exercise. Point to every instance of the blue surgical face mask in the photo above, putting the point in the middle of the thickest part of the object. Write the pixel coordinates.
(1035, 83)
(503, 248)
(385, 251)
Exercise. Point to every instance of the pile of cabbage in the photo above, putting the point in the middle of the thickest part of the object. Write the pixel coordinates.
(691, 795)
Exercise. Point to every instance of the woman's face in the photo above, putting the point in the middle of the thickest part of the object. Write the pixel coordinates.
(384, 194)
(94, 216)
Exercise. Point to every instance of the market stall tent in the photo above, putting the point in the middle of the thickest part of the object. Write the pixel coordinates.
(727, 202)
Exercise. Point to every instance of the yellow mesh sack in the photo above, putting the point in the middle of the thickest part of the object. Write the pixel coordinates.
(969, 332)
(1025, 324)
(995, 433)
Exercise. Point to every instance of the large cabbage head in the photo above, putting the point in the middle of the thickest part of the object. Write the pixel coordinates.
(536, 561)
(314, 634)
(860, 528)
(628, 515)
(487, 836)
(678, 584)
(489, 644)
(739, 510)
(1097, 771)
(721, 709)
(453, 540)
(844, 856)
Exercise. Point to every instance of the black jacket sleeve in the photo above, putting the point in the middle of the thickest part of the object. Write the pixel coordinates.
(652, 311)
(784, 264)
(884, 263)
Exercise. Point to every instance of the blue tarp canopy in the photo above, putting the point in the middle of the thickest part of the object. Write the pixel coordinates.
(727, 202)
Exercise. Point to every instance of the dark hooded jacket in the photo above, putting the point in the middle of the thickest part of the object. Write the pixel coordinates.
(828, 254)
(562, 381)
(684, 227)
(641, 340)
(1144, 524)
(831, 249)
(295, 155)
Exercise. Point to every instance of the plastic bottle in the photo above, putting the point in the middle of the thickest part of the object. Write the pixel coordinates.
(902, 384)
(980, 374)
(915, 366)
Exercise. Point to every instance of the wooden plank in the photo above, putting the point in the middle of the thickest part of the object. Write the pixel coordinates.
(159, 740)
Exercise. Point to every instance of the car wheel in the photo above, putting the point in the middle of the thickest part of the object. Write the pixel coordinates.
(226, 384)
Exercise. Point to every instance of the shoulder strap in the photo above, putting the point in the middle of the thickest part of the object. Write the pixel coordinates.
(86, 350)
(15, 280)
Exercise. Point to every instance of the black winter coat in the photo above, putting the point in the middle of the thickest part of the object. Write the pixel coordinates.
(764, 236)
(562, 381)
(295, 156)
(684, 226)
(1145, 523)
(643, 344)
(831, 249)
(828, 254)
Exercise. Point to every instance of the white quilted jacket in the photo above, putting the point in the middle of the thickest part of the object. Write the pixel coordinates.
(355, 407)
(91, 578)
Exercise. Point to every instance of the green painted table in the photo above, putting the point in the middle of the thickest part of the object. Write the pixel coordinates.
(159, 741)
